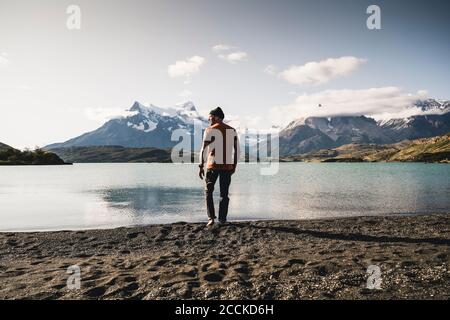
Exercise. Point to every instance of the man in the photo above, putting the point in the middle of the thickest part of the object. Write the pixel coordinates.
(218, 144)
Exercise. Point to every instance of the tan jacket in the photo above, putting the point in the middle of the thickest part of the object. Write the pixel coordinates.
(221, 143)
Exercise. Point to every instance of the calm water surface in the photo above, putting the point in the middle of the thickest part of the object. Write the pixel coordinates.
(86, 196)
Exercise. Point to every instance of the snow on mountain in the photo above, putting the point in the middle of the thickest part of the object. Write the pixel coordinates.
(432, 106)
(426, 118)
(152, 126)
(420, 108)
(144, 126)
(147, 117)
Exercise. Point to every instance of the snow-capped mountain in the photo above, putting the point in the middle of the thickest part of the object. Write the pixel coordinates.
(433, 106)
(433, 120)
(314, 133)
(420, 126)
(145, 126)
(152, 126)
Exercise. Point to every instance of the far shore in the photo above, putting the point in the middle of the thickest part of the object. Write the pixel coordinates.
(315, 259)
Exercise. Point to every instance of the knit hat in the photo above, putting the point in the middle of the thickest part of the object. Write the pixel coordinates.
(217, 112)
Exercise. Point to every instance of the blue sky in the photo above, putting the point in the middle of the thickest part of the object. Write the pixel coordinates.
(57, 83)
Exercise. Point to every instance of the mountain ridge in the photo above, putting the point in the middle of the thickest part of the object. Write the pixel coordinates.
(435, 149)
(145, 126)
(149, 126)
(362, 129)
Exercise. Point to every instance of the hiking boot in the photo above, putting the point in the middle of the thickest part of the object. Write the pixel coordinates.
(222, 222)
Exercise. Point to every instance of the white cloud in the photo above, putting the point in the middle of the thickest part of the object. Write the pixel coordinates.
(221, 48)
(254, 124)
(422, 93)
(4, 61)
(270, 69)
(185, 93)
(317, 73)
(379, 103)
(104, 114)
(234, 57)
(186, 68)
(229, 53)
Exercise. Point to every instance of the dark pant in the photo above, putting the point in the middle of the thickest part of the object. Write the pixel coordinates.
(224, 182)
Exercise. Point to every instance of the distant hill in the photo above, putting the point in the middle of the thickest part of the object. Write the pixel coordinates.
(436, 149)
(14, 157)
(112, 154)
(4, 147)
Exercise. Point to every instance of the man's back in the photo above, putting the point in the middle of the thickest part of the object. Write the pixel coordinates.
(223, 137)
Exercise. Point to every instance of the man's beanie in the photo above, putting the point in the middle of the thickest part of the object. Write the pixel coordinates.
(217, 112)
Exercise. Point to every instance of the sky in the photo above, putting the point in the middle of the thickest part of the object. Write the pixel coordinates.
(265, 62)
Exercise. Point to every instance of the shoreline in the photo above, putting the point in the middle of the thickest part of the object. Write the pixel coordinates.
(325, 258)
(98, 228)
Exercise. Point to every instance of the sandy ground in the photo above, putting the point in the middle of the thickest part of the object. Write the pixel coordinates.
(320, 259)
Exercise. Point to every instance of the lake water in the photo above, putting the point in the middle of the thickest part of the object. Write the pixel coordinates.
(86, 196)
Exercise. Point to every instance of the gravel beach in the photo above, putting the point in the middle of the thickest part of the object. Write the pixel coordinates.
(315, 259)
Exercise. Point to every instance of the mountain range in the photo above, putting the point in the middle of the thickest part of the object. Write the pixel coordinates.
(435, 149)
(315, 133)
(149, 126)
(145, 126)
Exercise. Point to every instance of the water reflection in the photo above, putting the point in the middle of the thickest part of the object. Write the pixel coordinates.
(153, 200)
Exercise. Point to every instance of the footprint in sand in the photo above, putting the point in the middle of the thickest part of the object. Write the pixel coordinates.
(126, 291)
(160, 262)
(215, 276)
(205, 267)
(59, 286)
(11, 242)
(128, 279)
(133, 235)
(162, 234)
(242, 269)
(82, 255)
(130, 288)
(95, 292)
(189, 271)
(110, 281)
(14, 273)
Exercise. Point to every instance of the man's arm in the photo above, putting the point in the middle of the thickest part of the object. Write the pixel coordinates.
(205, 144)
(237, 151)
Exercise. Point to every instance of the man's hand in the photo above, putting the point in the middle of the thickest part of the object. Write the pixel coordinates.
(234, 170)
(201, 173)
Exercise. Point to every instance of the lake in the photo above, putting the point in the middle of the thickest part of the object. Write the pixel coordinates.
(85, 196)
